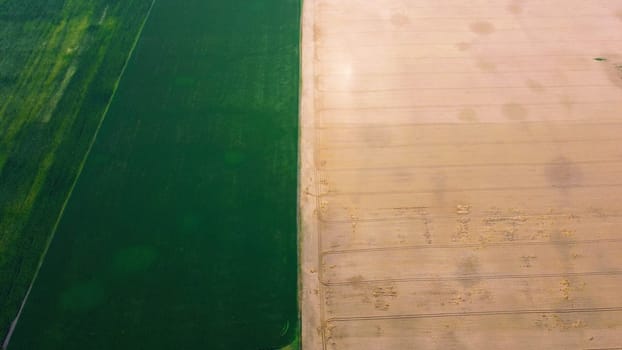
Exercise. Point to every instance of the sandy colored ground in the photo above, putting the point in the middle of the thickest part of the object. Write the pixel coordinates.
(461, 169)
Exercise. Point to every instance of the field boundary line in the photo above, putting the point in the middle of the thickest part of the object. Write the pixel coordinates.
(7, 339)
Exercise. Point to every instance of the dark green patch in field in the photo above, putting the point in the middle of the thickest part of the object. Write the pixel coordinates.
(181, 231)
(134, 259)
(83, 296)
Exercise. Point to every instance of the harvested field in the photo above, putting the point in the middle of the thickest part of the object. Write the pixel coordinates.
(460, 175)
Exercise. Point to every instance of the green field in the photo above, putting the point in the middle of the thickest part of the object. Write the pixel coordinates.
(181, 230)
(59, 63)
